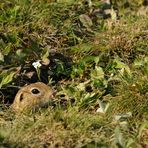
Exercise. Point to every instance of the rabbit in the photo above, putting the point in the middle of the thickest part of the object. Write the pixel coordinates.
(32, 97)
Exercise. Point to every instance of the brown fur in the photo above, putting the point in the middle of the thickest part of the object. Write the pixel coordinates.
(25, 99)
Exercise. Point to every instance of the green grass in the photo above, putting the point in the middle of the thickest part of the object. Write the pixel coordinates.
(97, 61)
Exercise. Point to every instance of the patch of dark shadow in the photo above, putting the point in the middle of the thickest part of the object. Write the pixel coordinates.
(119, 145)
(46, 145)
(94, 144)
(7, 95)
(72, 100)
(63, 102)
(111, 88)
(145, 3)
(57, 145)
(88, 88)
(94, 126)
(62, 95)
(58, 68)
(11, 145)
(26, 75)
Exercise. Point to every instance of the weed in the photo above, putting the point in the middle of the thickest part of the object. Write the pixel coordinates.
(95, 56)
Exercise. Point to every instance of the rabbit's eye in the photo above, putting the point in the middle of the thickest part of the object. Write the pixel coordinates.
(35, 91)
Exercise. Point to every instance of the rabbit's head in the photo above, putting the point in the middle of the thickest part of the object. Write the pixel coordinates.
(33, 96)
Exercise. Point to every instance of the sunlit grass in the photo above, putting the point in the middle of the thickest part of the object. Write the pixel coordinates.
(98, 68)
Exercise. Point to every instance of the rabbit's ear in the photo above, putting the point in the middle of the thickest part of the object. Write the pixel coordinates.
(21, 97)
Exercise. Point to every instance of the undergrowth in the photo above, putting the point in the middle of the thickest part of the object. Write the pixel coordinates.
(95, 56)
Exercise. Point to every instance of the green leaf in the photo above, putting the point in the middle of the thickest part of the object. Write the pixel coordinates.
(113, 14)
(14, 12)
(85, 20)
(129, 142)
(122, 66)
(66, 1)
(7, 50)
(118, 137)
(1, 57)
(84, 47)
(141, 62)
(6, 77)
(45, 55)
(98, 73)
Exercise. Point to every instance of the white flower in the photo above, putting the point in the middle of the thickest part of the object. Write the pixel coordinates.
(37, 64)
(112, 75)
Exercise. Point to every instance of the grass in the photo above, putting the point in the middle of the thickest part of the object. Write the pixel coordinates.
(98, 66)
